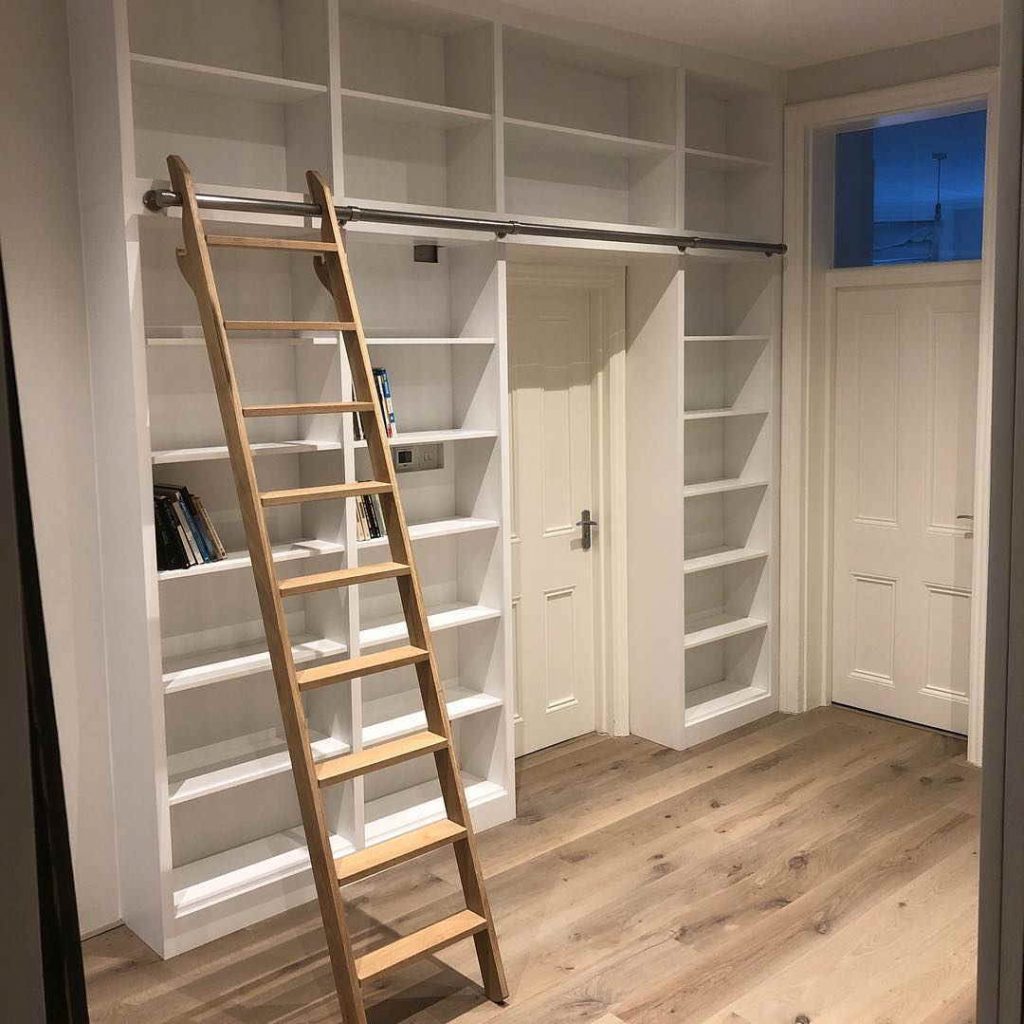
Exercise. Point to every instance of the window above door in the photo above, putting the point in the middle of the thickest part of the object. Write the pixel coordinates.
(911, 192)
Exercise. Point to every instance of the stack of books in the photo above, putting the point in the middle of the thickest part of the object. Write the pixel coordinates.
(369, 518)
(387, 407)
(185, 534)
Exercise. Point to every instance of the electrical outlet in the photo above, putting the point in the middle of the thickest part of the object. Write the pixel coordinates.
(418, 457)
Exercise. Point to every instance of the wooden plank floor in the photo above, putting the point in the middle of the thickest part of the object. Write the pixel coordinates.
(815, 868)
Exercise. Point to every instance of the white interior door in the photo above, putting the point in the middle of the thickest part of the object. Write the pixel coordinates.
(554, 346)
(906, 397)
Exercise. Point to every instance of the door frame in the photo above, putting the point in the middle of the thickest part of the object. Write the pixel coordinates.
(608, 285)
(806, 469)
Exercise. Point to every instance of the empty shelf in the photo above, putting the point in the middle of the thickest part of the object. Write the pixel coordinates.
(400, 714)
(540, 135)
(435, 436)
(429, 341)
(234, 560)
(722, 556)
(706, 159)
(202, 668)
(236, 762)
(399, 812)
(721, 414)
(720, 487)
(448, 616)
(710, 627)
(242, 869)
(413, 112)
(437, 528)
(726, 337)
(192, 337)
(216, 452)
(179, 74)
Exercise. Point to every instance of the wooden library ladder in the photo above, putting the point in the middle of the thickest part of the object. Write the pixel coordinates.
(330, 873)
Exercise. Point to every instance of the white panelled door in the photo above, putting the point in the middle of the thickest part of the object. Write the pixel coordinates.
(906, 408)
(552, 341)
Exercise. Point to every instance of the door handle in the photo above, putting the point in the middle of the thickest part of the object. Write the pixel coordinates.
(968, 520)
(587, 524)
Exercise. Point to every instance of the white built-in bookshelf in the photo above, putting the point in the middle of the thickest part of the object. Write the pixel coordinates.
(429, 107)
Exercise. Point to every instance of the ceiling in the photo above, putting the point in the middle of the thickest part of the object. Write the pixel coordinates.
(785, 33)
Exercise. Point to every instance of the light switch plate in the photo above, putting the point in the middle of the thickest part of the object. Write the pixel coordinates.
(418, 457)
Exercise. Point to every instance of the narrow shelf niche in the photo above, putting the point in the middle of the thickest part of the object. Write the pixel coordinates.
(725, 527)
(727, 674)
(417, 104)
(727, 449)
(588, 135)
(239, 87)
(726, 601)
(727, 375)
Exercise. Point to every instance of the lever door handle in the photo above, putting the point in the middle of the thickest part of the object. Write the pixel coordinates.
(588, 526)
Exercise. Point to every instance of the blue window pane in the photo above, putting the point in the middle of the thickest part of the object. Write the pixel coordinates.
(911, 193)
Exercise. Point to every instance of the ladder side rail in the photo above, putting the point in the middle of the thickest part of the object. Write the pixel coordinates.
(197, 269)
(334, 273)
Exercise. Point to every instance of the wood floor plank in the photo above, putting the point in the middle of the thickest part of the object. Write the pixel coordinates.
(731, 883)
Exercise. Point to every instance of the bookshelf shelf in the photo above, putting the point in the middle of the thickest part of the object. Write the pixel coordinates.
(721, 487)
(269, 861)
(708, 159)
(220, 452)
(437, 528)
(719, 698)
(537, 135)
(712, 627)
(441, 617)
(718, 414)
(200, 78)
(235, 560)
(194, 774)
(396, 110)
(237, 661)
(436, 437)
(391, 815)
(760, 338)
(403, 342)
(388, 718)
(715, 559)
(192, 337)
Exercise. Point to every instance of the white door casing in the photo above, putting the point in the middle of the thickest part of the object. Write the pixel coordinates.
(905, 414)
(565, 349)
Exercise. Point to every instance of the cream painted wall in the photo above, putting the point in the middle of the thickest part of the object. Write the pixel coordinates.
(917, 62)
(41, 243)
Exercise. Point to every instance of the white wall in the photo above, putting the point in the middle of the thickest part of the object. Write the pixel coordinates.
(901, 65)
(41, 243)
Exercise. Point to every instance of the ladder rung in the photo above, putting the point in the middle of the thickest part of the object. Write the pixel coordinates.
(341, 578)
(306, 408)
(288, 325)
(245, 242)
(395, 851)
(328, 492)
(419, 944)
(348, 766)
(352, 668)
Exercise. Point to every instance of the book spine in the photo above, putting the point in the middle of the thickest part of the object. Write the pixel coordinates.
(360, 521)
(199, 535)
(371, 517)
(185, 533)
(170, 553)
(379, 513)
(219, 550)
(389, 404)
(378, 382)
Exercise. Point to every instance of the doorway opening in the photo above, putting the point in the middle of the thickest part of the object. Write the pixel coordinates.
(566, 336)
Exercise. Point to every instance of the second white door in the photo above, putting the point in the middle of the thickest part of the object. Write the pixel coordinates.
(554, 342)
(906, 409)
